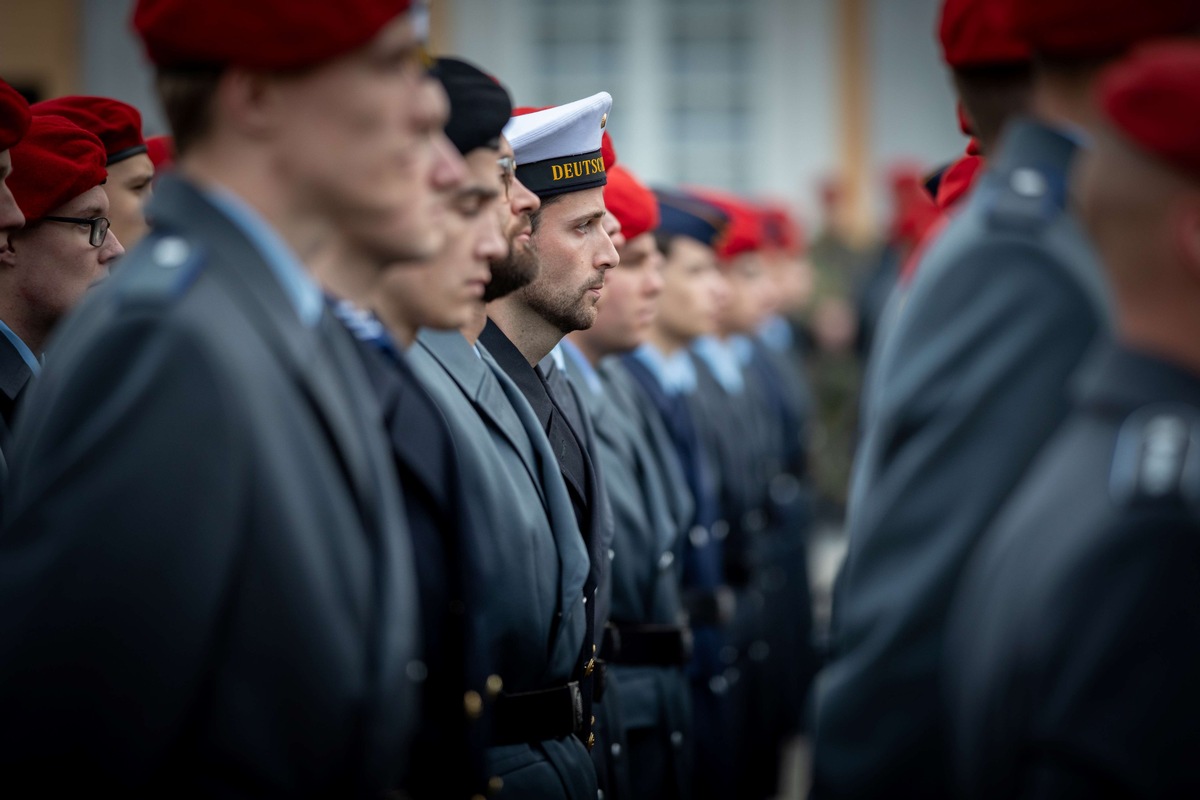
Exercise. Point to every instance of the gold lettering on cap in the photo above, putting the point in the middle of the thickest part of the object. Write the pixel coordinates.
(577, 169)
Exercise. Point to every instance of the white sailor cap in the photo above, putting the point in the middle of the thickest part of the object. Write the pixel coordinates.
(558, 149)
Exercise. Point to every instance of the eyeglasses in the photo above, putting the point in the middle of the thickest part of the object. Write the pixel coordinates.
(99, 226)
(508, 171)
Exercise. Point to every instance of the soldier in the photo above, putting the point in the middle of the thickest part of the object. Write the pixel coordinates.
(130, 169)
(665, 378)
(1074, 643)
(530, 554)
(64, 248)
(648, 643)
(385, 326)
(967, 388)
(558, 154)
(207, 578)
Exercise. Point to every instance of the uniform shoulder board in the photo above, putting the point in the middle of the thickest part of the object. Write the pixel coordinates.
(1025, 198)
(1157, 457)
(166, 266)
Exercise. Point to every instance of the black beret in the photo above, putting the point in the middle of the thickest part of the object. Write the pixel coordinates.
(479, 105)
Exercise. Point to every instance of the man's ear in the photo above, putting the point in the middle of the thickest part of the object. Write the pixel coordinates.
(8, 255)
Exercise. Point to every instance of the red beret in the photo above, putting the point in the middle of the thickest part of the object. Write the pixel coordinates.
(14, 116)
(1100, 28)
(781, 229)
(1153, 97)
(978, 33)
(607, 151)
(161, 150)
(258, 34)
(745, 231)
(56, 162)
(119, 125)
(627, 199)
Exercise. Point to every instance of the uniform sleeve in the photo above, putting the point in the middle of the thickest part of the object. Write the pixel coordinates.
(120, 536)
(1118, 700)
(976, 382)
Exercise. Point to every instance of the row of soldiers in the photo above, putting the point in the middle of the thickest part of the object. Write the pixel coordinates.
(1017, 612)
(414, 448)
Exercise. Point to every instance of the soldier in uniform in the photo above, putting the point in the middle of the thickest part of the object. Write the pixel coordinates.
(1074, 642)
(968, 386)
(648, 643)
(64, 248)
(207, 579)
(530, 556)
(664, 375)
(559, 157)
(384, 321)
(130, 169)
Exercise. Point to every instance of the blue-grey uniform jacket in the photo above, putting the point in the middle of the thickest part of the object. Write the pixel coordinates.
(533, 562)
(206, 574)
(968, 383)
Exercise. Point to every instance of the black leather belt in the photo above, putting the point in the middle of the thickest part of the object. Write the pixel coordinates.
(647, 645)
(539, 715)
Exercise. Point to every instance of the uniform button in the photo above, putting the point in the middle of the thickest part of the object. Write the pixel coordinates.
(611, 554)
(677, 739)
(720, 529)
(495, 784)
(591, 740)
(495, 685)
(593, 719)
(666, 560)
(473, 704)
(698, 536)
(717, 684)
(616, 750)
(1028, 182)
(589, 667)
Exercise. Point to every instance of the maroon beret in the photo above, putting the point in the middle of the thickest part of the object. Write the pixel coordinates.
(14, 116)
(56, 162)
(978, 33)
(119, 125)
(627, 199)
(1100, 28)
(1153, 97)
(258, 34)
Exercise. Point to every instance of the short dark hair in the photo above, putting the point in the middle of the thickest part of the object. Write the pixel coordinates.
(992, 96)
(536, 216)
(187, 100)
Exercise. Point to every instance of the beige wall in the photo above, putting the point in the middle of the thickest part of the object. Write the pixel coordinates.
(40, 44)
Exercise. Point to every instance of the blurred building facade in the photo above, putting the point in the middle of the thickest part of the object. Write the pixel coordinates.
(755, 96)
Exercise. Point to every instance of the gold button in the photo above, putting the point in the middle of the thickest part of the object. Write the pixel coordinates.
(603, 120)
(495, 784)
(593, 649)
(593, 719)
(591, 740)
(494, 685)
(589, 667)
(473, 704)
